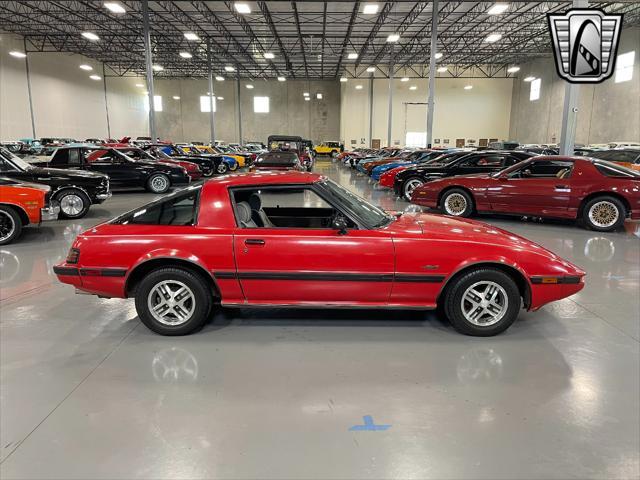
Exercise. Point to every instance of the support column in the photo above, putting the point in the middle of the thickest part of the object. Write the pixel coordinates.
(106, 105)
(570, 108)
(371, 112)
(390, 110)
(149, 67)
(212, 114)
(432, 71)
(26, 66)
(238, 111)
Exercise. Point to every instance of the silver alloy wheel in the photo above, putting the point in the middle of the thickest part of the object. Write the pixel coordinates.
(455, 204)
(484, 303)
(159, 183)
(222, 168)
(410, 186)
(71, 205)
(171, 302)
(603, 214)
(7, 225)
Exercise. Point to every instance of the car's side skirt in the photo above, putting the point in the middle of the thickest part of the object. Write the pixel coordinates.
(350, 306)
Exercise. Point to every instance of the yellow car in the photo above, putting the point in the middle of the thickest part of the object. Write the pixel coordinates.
(223, 151)
(329, 148)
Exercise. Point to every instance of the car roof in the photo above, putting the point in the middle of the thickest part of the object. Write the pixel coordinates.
(267, 177)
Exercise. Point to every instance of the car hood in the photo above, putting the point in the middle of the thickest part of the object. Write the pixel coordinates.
(69, 173)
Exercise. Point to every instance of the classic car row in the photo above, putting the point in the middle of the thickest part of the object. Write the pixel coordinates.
(600, 189)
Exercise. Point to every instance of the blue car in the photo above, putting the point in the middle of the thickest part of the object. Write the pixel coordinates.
(416, 157)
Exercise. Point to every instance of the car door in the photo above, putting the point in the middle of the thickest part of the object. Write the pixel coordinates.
(534, 189)
(285, 262)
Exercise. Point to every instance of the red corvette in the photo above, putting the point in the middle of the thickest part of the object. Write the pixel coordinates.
(274, 239)
(599, 193)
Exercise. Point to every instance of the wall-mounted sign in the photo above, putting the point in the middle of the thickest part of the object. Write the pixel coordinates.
(436, 140)
(446, 140)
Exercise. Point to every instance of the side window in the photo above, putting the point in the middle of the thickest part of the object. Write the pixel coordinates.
(180, 209)
(545, 169)
(485, 161)
(61, 157)
(282, 207)
(6, 166)
(74, 157)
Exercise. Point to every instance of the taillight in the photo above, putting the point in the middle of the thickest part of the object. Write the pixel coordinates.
(73, 256)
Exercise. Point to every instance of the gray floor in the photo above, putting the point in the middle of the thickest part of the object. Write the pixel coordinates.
(88, 392)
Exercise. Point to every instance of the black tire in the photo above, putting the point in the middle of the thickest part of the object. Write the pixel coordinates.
(73, 203)
(453, 302)
(158, 183)
(201, 294)
(10, 225)
(209, 172)
(604, 207)
(222, 168)
(457, 203)
(409, 185)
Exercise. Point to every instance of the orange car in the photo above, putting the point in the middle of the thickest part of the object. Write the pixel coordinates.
(23, 204)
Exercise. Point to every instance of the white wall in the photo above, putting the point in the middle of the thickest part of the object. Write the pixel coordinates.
(482, 112)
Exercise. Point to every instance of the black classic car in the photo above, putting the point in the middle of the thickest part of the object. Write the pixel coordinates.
(124, 172)
(170, 152)
(74, 191)
(626, 156)
(457, 163)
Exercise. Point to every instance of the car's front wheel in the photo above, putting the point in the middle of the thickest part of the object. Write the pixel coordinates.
(173, 301)
(73, 203)
(410, 185)
(457, 203)
(483, 302)
(158, 183)
(222, 168)
(10, 225)
(604, 214)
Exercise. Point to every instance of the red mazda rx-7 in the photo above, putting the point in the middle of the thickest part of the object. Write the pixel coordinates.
(274, 239)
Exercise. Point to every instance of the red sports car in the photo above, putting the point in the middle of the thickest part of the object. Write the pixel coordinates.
(387, 179)
(600, 193)
(274, 239)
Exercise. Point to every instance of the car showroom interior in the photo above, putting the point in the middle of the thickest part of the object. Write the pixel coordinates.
(319, 239)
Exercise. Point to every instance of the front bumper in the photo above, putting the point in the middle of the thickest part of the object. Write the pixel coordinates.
(101, 197)
(49, 213)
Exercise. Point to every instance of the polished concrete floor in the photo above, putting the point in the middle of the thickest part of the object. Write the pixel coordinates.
(88, 392)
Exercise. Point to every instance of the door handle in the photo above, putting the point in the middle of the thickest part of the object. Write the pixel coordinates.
(562, 187)
(254, 241)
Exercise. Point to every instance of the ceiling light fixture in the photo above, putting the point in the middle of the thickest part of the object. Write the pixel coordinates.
(86, 67)
(17, 54)
(192, 37)
(139, 85)
(393, 38)
(242, 7)
(439, 55)
(442, 69)
(370, 8)
(282, 79)
(468, 87)
(269, 55)
(157, 68)
(352, 56)
(219, 78)
(343, 79)
(494, 37)
(413, 87)
(404, 79)
(306, 94)
(114, 7)
(529, 79)
(220, 98)
(319, 96)
(249, 86)
(176, 97)
(95, 77)
(498, 8)
(358, 87)
(91, 36)
(371, 69)
(513, 69)
(185, 55)
(307, 99)
(229, 68)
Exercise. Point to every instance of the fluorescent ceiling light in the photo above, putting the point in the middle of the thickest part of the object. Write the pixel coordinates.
(139, 85)
(95, 77)
(352, 56)
(220, 98)
(90, 36)
(404, 79)
(394, 37)
(442, 69)
(439, 55)
(306, 99)
(114, 7)
(468, 87)
(157, 68)
(358, 87)
(319, 96)
(229, 68)
(306, 94)
(282, 79)
(220, 79)
(249, 86)
(185, 55)
(343, 79)
(191, 36)
(86, 67)
(370, 8)
(529, 79)
(513, 69)
(413, 87)
(498, 8)
(242, 7)
(371, 69)
(176, 97)
(494, 37)
(269, 55)
(17, 54)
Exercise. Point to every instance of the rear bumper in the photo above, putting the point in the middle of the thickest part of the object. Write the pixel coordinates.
(106, 282)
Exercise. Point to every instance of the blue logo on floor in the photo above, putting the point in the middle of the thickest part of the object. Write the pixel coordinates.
(369, 425)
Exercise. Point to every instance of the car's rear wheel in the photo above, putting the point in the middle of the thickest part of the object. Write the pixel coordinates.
(173, 301)
(457, 203)
(208, 173)
(410, 185)
(234, 167)
(73, 203)
(483, 302)
(10, 225)
(158, 183)
(222, 168)
(604, 214)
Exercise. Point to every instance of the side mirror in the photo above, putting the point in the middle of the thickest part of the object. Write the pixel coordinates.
(340, 223)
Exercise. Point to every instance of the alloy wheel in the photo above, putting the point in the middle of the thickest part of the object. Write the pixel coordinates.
(484, 303)
(71, 205)
(7, 225)
(603, 214)
(171, 302)
(159, 184)
(410, 186)
(455, 204)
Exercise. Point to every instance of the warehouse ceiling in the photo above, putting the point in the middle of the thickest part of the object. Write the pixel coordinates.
(308, 39)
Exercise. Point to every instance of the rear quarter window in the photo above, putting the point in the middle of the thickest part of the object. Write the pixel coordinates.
(180, 208)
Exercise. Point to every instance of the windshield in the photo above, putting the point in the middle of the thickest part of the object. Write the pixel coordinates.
(446, 159)
(372, 216)
(17, 161)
